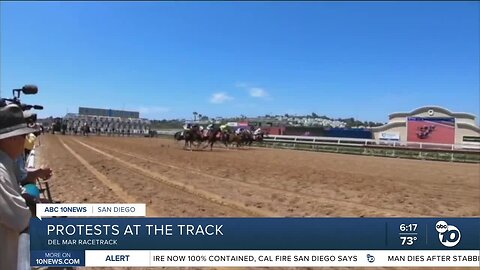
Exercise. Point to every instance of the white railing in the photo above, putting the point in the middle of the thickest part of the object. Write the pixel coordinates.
(355, 142)
(30, 163)
(23, 255)
(368, 142)
(168, 132)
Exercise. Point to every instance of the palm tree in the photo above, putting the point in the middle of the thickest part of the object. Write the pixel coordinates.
(195, 116)
(200, 117)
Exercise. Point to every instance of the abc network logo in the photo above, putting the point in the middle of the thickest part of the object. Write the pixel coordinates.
(449, 235)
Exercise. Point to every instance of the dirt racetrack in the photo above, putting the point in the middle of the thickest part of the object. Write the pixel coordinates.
(254, 182)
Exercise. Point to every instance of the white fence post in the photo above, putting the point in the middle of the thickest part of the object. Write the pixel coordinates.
(23, 259)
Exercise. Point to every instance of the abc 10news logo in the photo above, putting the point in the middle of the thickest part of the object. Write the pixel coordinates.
(448, 235)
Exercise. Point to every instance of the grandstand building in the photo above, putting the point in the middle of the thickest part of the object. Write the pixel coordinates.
(107, 121)
(431, 124)
(108, 113)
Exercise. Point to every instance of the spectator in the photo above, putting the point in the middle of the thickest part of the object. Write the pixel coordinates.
(29, 144)
(14, 213)
(28, 175)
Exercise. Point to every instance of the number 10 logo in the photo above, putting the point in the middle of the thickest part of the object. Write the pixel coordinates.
(449, 235)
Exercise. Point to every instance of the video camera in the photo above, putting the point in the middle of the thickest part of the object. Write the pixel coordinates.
(26, 90)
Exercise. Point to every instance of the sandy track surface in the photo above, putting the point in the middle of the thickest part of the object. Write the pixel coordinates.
(255, 182)
(260, 182)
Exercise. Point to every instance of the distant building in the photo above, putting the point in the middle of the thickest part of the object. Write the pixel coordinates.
(107, 121)
(108, 112)
(431, 124)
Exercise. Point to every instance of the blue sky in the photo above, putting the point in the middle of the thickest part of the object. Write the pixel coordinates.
(168, 59)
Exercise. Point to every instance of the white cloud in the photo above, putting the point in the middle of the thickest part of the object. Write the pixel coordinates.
(241, 85)
(257, 92)
(220, 97)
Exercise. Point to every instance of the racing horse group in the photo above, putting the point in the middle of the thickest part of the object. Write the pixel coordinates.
(196, 137)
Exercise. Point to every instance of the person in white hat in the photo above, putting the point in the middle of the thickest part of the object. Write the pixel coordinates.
(14, 213)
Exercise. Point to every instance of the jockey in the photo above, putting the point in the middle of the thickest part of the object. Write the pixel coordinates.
(224, 128)
(203, 131)
(186, 127)
(238, 131)
(257, 131)
(211, 126)
(195, 127)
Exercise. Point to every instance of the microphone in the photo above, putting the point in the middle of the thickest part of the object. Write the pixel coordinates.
(30, 89)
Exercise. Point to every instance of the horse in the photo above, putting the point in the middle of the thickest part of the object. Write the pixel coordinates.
(225, 137)
(424, 132)
(255, 138)
(191, 136)
(211, 137)
(85, 130)
(231, 138)
(178, 136)
(246, 137)
(64, 128)
(258, 137)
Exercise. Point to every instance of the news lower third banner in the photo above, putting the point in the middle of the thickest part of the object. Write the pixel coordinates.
(255, 242)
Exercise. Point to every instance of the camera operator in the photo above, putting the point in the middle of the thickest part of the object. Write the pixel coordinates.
(14, 213)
